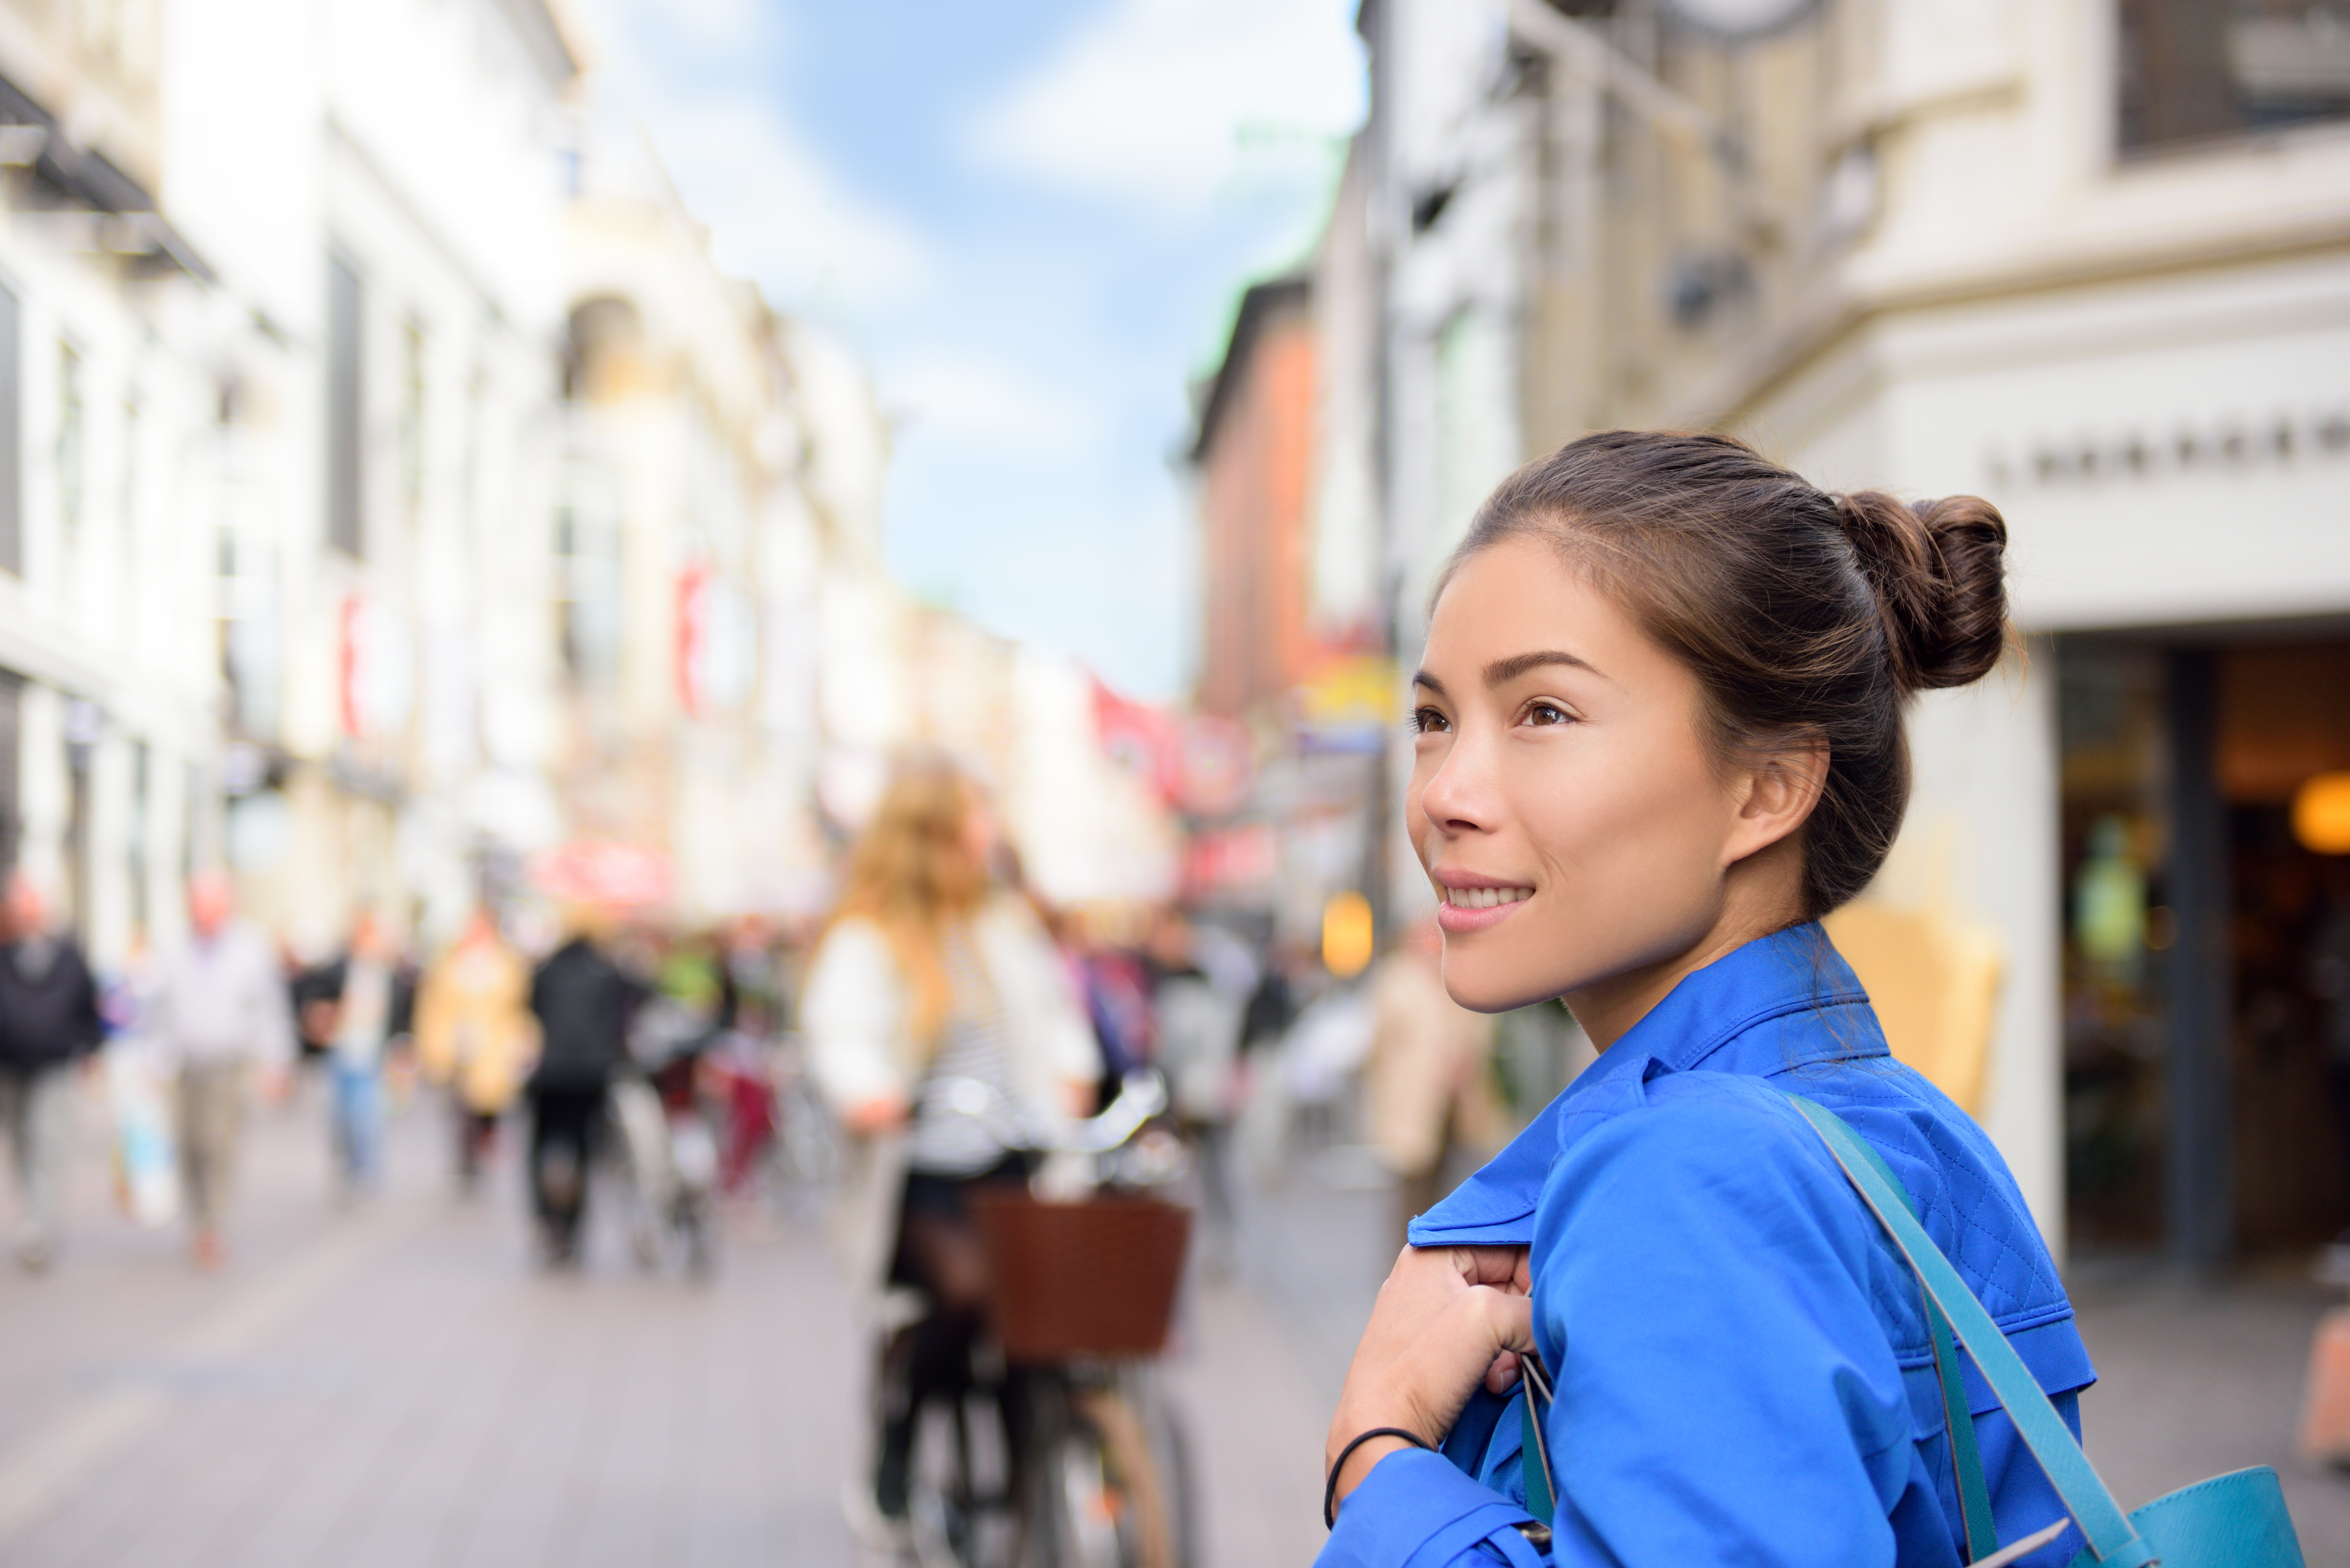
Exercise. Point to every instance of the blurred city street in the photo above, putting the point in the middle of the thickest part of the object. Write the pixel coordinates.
(397, 1383)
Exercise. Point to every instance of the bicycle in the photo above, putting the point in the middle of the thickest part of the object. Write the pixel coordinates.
(1095, 1470)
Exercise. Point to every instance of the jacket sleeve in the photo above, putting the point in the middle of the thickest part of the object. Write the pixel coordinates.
(1726, 1393)
(852, 1013)
(1416, 1511)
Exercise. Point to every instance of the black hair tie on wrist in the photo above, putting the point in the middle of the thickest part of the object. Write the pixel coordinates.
(1330, 1488)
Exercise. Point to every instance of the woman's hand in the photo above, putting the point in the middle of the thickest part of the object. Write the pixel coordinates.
(1448, 1319)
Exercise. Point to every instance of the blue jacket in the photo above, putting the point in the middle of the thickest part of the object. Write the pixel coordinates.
(1742, 1364)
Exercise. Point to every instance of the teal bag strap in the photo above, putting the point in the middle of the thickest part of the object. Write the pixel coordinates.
(2113, 1539)
(1965, 1456)
(1533, 1442)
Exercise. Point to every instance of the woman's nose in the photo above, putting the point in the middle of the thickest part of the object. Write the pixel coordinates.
(1457, 797)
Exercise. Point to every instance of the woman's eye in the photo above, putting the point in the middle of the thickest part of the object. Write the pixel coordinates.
(1428, 721)
(1548, 714)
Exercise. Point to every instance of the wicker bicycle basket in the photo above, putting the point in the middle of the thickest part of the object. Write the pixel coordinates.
(1096, 1278)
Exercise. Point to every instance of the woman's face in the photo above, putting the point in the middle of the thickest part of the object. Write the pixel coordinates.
(1561, 798)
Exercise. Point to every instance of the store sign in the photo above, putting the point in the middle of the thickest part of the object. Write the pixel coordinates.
(1137, 739)
(1215, 766)
(586, 871)
(1231, 860)
(717, 643)
(1349, 704)
(375, 668)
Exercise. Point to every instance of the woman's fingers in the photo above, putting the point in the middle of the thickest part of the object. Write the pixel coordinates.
(1504, 1315)
(1504, 1268)
(1433, 1339)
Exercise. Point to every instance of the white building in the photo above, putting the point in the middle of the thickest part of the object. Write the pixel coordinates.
(108, 674)
(380, 188)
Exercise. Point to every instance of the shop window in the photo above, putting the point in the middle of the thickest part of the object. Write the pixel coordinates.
(72, 435)
(2120, 930)
(2206, 958)
(12, 509)
(12, 724)
(411, 424)
(2194, 69)
(344, 408)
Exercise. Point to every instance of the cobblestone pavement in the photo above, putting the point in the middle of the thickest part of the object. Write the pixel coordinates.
(396, 1384)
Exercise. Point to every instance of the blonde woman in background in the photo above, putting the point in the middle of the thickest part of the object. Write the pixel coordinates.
(929, 971)
(1428, 1086)
(474, 1033)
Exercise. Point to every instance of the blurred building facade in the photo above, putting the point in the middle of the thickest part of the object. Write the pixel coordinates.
(1296, 664)
(107, 665)
(399, 507)
(2090, 259)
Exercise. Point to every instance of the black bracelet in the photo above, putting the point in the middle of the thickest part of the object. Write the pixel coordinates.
(1330, 1489)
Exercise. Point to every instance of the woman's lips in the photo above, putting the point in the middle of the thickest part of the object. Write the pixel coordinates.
(1466, 910)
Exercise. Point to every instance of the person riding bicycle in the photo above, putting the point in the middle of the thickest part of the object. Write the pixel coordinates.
(930, 971)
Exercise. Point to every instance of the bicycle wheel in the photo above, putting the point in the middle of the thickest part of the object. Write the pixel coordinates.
(958, 1506)
(1113, 1482)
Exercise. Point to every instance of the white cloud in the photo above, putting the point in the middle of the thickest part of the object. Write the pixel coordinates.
(986, 402)
(1152, 101)
(776, 212)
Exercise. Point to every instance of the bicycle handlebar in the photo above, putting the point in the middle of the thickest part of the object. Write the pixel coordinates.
(1142, 1096)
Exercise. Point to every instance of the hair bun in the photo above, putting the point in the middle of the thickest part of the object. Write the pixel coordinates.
(1938, 573)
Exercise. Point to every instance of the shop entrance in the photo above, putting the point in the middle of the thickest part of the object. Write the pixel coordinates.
(2206, 962)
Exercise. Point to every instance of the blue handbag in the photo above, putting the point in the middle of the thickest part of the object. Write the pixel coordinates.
(2234, 1520)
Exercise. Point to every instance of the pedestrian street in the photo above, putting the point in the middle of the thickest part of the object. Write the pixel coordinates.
(398, 1384)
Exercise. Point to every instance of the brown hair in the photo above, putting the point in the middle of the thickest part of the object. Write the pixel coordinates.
(913, 872)
(1804, 616)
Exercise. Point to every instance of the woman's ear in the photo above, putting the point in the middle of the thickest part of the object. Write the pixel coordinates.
(1779, 791)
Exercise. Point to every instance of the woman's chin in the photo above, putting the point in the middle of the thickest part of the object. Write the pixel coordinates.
(1470, 984)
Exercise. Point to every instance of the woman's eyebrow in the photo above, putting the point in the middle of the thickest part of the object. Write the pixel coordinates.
(1502, 670)
(1422, 678)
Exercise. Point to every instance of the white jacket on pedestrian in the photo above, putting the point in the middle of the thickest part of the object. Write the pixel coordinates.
(857, 1014)
(223, 999)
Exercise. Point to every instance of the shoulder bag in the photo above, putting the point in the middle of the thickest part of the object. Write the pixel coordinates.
(2234, 1520)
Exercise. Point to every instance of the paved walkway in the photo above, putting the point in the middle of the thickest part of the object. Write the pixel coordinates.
(395, 1383)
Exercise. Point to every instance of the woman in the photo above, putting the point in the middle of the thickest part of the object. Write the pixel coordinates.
(474, 1033)
(929, 974)
(1659, 737)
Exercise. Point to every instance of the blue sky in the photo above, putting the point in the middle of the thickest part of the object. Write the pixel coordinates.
(1032, 220)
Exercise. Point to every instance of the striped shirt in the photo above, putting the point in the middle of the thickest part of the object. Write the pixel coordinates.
(974, 1042)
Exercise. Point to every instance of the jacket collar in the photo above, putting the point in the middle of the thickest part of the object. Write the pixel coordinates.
(1714, 1020)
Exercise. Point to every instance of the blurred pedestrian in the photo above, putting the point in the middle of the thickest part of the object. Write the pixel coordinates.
(373, 995)
(1428, 1088)
(222, 1018)
(583, 1001)
(48, 1021)
(475, 1033)
(930, 973)
(1114, 986)
(1198, 1023)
